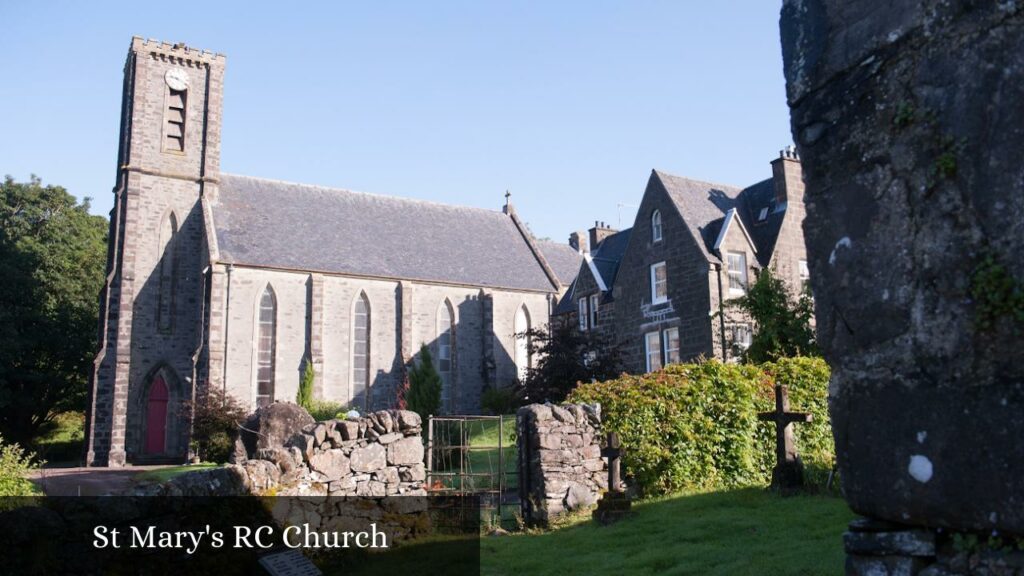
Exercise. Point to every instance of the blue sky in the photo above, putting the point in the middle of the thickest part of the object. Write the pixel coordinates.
(569, 105)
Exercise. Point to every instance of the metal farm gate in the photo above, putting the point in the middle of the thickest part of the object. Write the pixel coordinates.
(475, 456)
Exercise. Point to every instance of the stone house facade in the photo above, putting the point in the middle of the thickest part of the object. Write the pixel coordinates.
(217, 280)
(660, 286)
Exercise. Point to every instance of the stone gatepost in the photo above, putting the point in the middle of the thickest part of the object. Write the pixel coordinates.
(908, 118)
(560, 464)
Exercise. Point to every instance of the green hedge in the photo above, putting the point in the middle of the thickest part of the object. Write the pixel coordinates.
(695, 425)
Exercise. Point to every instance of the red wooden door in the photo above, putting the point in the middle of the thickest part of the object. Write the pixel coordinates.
(156, 417)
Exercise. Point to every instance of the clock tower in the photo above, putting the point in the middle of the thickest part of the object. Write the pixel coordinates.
(151, 309)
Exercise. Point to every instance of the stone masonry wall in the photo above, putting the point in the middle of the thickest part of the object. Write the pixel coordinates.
(377, 455)
(560, 464)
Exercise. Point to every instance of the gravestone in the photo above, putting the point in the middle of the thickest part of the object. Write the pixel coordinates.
(288, 563)
(615, 504)
(788, 474)
(908, 119)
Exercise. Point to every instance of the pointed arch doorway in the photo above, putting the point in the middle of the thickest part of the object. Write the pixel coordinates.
(156, 417)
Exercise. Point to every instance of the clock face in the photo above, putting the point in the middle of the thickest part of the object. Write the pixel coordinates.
(176, 78)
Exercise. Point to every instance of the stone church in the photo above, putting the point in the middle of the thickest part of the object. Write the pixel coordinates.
(660, 288)
(238, 283)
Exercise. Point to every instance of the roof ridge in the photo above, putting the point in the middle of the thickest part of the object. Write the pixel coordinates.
(698, 181)
(360, 192)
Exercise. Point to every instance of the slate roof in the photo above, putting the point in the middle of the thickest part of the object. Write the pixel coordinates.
(302, 227)
(606, 258)
(563, 259)
(703, 206)
(609, 254)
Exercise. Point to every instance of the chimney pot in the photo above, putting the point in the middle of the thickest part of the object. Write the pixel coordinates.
(598, 233)
(787, 176)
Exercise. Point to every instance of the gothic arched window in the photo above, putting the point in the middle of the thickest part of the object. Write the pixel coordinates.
(361, 349)
(265, 348)
(522, 353)
(656, 226)
(445, 323)
(168, 277)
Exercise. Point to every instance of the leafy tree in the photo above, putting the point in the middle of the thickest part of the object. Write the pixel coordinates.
(52, 261)
(424, 393)
(783, 322)
(216, 416)
(305, 396)
(566, 357)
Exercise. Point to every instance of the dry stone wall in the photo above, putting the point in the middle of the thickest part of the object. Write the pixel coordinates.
(377, 455)
(560, 464)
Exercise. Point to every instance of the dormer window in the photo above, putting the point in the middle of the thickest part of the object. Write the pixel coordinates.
(763, 215)
(656, 226)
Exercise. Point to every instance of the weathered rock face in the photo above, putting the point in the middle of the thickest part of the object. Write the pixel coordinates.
(560, 464)
(270, 427)
(908, 119)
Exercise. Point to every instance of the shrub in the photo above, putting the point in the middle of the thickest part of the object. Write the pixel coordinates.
(695, 425)
(566, 357)
(304, 397)
(500, 400)
(424, 394)
(782, 320)
(216, 416)
(322, 410)
(15, 465)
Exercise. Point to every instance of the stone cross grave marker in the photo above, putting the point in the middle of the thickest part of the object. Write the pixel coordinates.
(615, 504)
(614, 453)
(788, 475)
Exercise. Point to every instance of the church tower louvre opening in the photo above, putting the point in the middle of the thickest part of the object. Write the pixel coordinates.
(168, 160)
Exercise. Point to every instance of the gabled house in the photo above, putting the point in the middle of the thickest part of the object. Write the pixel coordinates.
(694, 245)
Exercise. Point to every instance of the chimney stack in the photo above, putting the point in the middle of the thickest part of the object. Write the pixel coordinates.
(579, 242)
(599, 232)
(788, 177)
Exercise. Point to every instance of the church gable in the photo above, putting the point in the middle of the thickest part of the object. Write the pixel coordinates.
(281, 225)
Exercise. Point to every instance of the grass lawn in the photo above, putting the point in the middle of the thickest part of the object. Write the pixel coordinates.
(735, 532)
(482, 456)
(165, 474)
(62, 441)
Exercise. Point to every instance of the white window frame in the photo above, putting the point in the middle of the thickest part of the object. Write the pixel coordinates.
(652, 350)
(656, 230)
(583, 316)
(667, 356)
(805, 275)
(734, 329)
(593, 310)
(655, 299)
(733, 271)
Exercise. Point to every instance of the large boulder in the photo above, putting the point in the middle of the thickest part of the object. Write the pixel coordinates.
(907, 116)
(270, 427)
